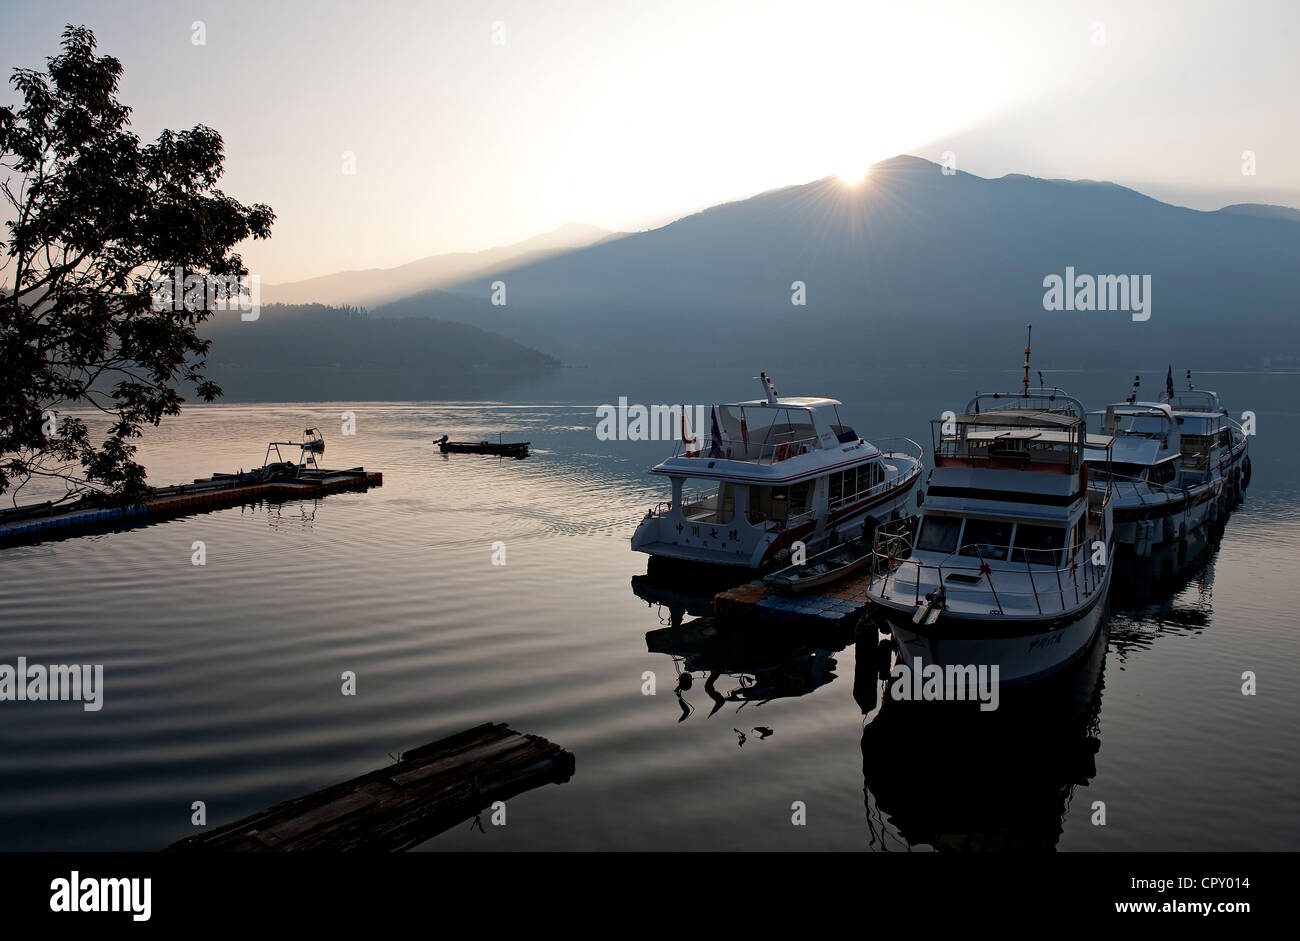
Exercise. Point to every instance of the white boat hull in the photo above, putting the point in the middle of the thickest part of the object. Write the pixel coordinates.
(1023, 649)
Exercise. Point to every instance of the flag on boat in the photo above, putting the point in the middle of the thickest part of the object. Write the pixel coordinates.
(1169, 381)
(716, 449)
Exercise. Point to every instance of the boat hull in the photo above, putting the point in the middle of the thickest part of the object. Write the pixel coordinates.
(519, 449)
(1023, 649)
(1144, 524)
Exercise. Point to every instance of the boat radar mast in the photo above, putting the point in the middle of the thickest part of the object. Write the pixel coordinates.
(1030, 332)
(1132, 396)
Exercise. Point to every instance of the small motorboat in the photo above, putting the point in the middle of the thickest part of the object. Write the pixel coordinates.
(517, 449)
(823, 568)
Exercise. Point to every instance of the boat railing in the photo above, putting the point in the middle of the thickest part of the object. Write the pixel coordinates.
(1042, 399)
(900, 445)
(696, 499)
(1124, 483)
(893, 550)
(736, 449)
(958, 448)
(1194, 400)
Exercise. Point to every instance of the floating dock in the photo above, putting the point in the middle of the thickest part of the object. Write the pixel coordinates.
(841, 602)
(220, 491)
(432, 788)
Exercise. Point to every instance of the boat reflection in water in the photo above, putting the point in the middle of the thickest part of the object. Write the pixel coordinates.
(738, 665)
(1170, 593)
(947, 776)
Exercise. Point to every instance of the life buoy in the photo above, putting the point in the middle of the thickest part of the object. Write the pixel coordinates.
(782, 452)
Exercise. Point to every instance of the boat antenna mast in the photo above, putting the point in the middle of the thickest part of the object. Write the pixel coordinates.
(1030, 332)
(769, 390)
(1190, 387)
(1132, 396)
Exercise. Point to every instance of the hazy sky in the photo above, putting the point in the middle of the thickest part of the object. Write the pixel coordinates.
(628, 114)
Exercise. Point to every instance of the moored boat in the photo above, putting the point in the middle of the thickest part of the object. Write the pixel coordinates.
(1010, 565)
(822, 569)
(1157, 500)
(777, 471)
(1214, 447)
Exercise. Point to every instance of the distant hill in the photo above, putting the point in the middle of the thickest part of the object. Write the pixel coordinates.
(371, 286)
(319, 353)
(909, 266)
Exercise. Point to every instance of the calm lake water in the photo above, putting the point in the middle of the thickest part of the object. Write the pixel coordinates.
(222, 682)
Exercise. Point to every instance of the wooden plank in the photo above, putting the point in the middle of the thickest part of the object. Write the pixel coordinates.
(432, 787)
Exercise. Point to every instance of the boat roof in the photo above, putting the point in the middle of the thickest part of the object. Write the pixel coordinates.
(788, 401)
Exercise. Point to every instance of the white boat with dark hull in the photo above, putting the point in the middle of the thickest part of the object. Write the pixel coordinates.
(776, 471)
(1005, 568)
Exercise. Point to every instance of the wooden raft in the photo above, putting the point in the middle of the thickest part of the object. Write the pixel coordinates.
(841, 602)
(432, 788)
(220, 491)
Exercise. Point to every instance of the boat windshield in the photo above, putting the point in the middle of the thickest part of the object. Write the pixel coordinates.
(755, 433)
(939, 534)
(987, 539)
(1040, 545)
(1149, 426)
(994, 540)
(1117, 471)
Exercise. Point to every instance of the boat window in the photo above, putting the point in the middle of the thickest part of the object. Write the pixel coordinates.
(987, 539)
(854, 483)
(1079, 540)
(1152, 426)
(1039, 545)
(1162, 473)
(938, 534)
(768, 503)
(779, 503)
(1117, 471)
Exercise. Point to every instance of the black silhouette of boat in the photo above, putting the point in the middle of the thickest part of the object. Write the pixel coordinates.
(517, 449)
